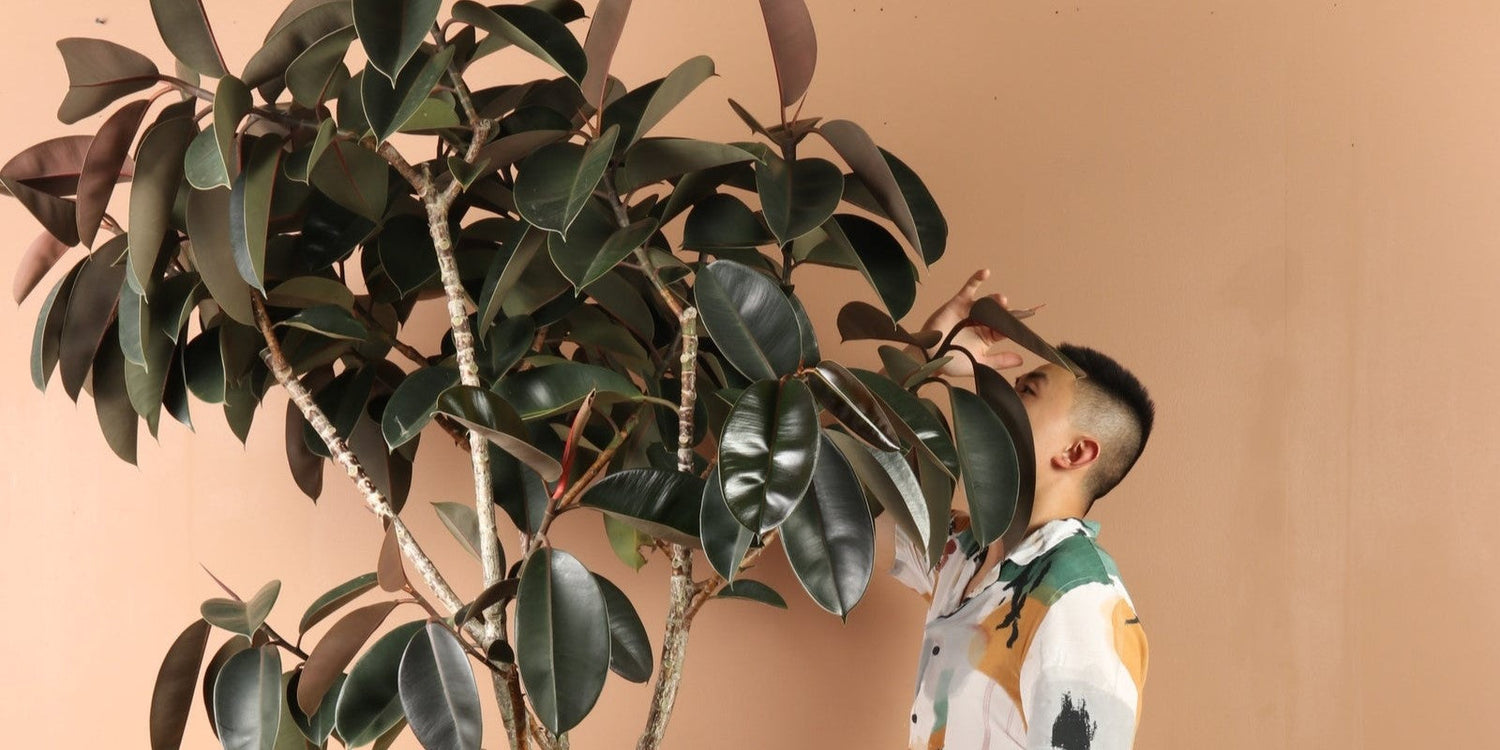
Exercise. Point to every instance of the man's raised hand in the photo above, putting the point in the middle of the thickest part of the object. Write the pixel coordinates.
(978, 340)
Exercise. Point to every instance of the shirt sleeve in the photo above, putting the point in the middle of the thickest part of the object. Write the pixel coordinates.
(910, 564)
(1082, 676)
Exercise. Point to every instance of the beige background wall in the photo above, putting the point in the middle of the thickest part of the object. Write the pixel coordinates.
(1282, 214)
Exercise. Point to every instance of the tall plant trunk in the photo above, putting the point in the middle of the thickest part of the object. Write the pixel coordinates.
(682, 589)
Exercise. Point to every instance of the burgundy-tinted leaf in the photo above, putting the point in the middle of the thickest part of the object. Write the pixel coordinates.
(389, 572)
(869, 163)
(859, 321)
(844, 396)
(334, 652)
(794, 46)
(990, 313)
(39, 258)
(599, 47)
(175, 682)
(41, 175)
(105, 165)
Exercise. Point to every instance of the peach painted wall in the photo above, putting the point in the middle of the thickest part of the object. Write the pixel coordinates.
(1283, 214)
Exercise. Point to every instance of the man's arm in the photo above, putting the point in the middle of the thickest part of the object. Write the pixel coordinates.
(1083, 673)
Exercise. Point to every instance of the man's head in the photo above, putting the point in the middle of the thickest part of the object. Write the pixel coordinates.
(1088, 431)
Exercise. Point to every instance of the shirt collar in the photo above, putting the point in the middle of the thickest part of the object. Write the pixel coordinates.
(1050, 535)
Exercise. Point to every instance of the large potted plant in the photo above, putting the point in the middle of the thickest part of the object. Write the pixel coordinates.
(624, 337)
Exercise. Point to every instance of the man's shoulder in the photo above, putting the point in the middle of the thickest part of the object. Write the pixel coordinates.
(1075, 561)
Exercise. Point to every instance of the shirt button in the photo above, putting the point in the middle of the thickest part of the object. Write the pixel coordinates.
(913, 718)
(935, 650)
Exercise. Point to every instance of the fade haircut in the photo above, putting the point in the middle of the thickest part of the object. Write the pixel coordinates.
(1112, 404)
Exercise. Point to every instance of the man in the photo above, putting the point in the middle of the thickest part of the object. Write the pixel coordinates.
(1039, 646)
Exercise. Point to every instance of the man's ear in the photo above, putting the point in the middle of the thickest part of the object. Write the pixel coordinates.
(1080, 455)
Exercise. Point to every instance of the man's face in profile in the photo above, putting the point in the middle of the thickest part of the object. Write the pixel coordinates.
(1047, 392)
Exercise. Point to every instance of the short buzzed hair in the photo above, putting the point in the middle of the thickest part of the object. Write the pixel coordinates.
(1112, 404)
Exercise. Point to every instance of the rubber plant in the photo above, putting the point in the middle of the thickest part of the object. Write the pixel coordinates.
(623, 338)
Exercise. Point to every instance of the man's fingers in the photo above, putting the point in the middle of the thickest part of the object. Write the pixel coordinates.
(971, 287)
(1001, 360)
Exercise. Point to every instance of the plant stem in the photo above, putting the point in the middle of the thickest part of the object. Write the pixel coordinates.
(345, 458)
(680, 610)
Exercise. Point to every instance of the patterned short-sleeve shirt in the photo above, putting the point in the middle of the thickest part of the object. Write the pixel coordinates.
(1046, 653)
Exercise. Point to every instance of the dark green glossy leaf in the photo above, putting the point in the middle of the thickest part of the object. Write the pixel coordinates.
(520, 493)
(153, 191)
(437, 691)
(536, 31)
(754, 591)
(927, 370)
(863, 321)
(204, 367)
(557, 181)
(891, 480)
(231, 102)
(725, 540)
(213, 253)
(492, 416)
(875, 170)
(105, 165)
(767, 452)
(989, 312)
(216, 664)
(749, 319)
(629, 646)
(354, 177)
(406, 253)
(413, 403)
(175, 682)
(247, 699)
(328, 320)
(583, 258)
(183, 25)
(239, 408)
(310, 291)
(318, 726)
(134, 325)
(673, 89)
(91, 308)
(906, 410)
(998, 394)
(852, 404)
(203, 165)
(830, 537)
(117, 419)
(544, 391)
(370, 703)
(798, 196)
(100, 72)
(392, 30)
(794, 46)
(146, 380)
(806, 334)
(664, 504)
(250, 210)
(243, 617)
(867, 246)
(991, 475)
(505, 345)
(314, 75)
(388, 107)
(652, 160)
(463, 523)
(505, 272)
(333, 599)
(300, 164)
(562, 638)
(47, 338)
(722, 221)
(325, 664)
